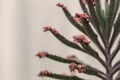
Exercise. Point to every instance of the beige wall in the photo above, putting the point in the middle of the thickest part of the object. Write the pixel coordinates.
(21, 36)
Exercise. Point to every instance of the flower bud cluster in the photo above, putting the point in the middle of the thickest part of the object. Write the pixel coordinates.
(41, 54)
(44, 73)
(49, 28)
(80, 67)
(80, 37)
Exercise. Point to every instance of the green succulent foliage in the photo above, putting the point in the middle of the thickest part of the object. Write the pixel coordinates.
(102, 28)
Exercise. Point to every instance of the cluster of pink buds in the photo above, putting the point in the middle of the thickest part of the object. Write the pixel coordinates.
(44, 73)
(41, 54)
(85, 2)
(84, 15)
(75, 38)
(49, 28)
(80, 68)
(84, 39)
(81, 37)
(72, 67)
(78, 17)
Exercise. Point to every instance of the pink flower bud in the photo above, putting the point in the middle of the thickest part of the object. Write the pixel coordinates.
(72, 67)
(81, 68)
(78, 17)
(44, 73)
(84, 39)
(41, 54)
(75, 39)
(54, 31)
(84, 15)
(81, 37)
(47, 28)
(60, 5)
(78, 20)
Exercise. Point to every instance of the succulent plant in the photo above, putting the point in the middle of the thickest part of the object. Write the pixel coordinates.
(99, 25)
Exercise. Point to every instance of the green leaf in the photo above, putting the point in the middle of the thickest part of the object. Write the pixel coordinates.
(59, 76)
(93, 15)
(95, 19)
(67, 42)
(106, 14)
(60, 59)
(116, 31)
(89, 70)
(72, 20)
(109, 19)
(115, 52)
(104, 21)
(99, 15)
(116, 9)
(83, 7)
(91, 33)
(89, 50)
(92, 52)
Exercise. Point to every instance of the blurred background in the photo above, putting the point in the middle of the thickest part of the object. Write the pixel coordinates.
(21, 37)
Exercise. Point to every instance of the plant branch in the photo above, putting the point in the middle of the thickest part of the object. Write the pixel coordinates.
(63, 60)
(60, 76)
(116, 9)
(118, 76)
(95, 19)
(115, 52)
(110, 16)
(67, 42)
(85, 10)
(116, 31)
(93, 71)
(83, 7)
(72, 20)
(116, 67)
(92, 52)
(100, 16)
(90, 34)
(89, 70)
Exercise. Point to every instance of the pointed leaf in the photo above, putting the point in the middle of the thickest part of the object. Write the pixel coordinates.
(116, 31)
(89, 70)
(91, 33)
(99, 15)
(109, 19)
(59, 76)
(95, 19)
(60, 59)
(67, 42)
(72, 20)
